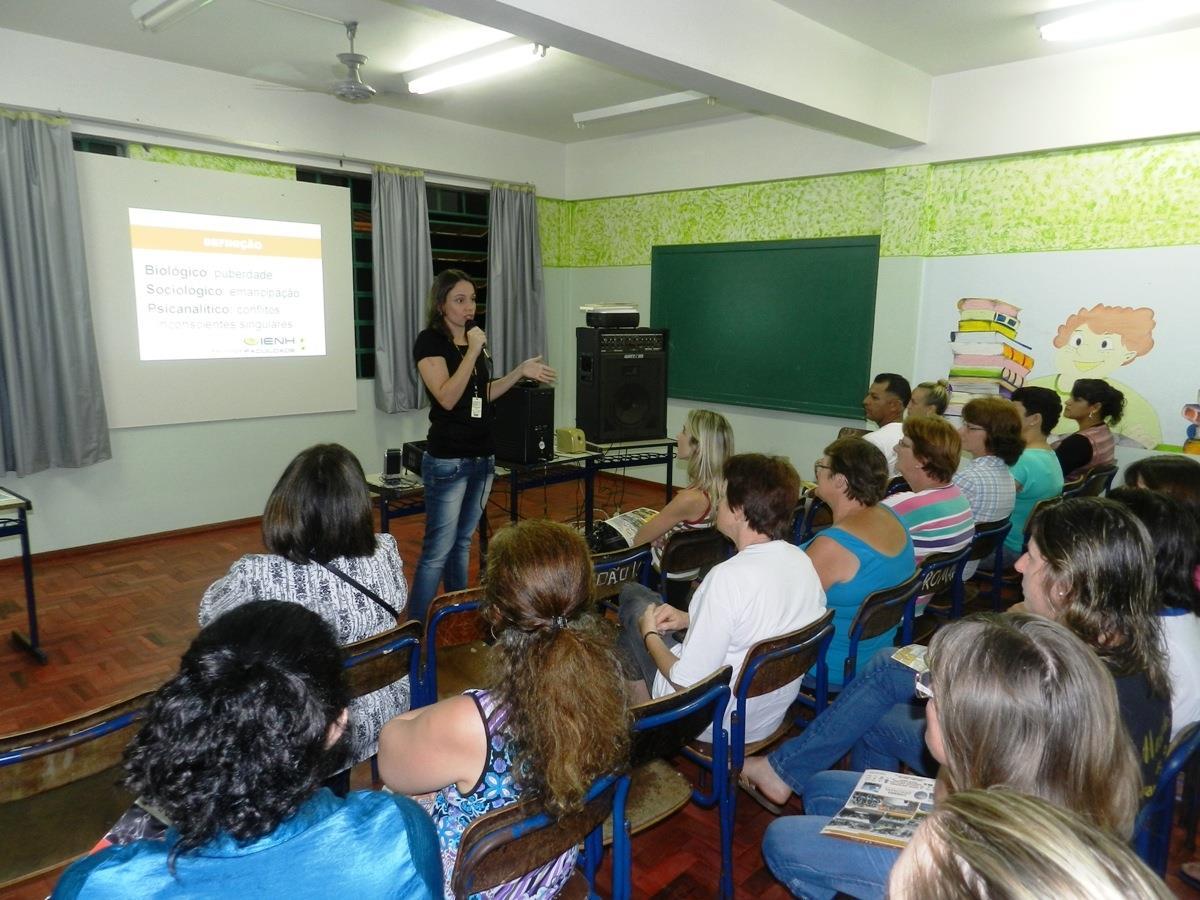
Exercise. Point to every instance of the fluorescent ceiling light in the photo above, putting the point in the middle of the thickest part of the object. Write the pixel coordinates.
(637, 106)
(514, 53)
(1112, 18)
(153, 15)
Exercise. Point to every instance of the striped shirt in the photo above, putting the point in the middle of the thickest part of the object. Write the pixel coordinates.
(939, 520)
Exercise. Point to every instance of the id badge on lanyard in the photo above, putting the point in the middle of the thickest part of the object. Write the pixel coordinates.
(476, 407)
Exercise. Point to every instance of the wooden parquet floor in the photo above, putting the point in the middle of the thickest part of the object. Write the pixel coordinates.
(114, 621)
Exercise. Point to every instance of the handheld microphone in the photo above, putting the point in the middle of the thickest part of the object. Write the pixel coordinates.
(467, 326)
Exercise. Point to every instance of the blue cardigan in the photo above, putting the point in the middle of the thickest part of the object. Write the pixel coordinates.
(365, 845)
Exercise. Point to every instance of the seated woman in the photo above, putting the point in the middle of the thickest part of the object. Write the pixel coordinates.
(1036, 474)
(929, 398)
(555, 721)
(935, 511)
(1094, 405)
(1174, 474)
(991, 433)
(1089, 566)
(1176, 540)
(705, 441)
(867, 548)
(1001, 843)
(233, 752)
(1015, 700)
(323, 553)
(767, 589)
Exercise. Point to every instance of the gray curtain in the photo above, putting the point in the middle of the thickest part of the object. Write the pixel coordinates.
(51, 403)
(403, 264)
(516, 303)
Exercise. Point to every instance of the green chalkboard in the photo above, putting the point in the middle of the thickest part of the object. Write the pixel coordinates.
(770, 324)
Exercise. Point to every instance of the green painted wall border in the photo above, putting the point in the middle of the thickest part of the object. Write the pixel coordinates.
(218, 162)
(1135, 194)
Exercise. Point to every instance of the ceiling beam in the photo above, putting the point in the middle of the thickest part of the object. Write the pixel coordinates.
(754, 55)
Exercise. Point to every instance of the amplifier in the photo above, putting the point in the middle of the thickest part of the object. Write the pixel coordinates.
(411, 456)
(523, 423)
(621, 383)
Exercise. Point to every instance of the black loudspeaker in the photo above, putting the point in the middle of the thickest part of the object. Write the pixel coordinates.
(393, 462)
(621, 383)
(523, 423)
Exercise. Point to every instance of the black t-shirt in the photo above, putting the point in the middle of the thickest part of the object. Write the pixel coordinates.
(452, 432)
(1147, 718)
(1073, 453)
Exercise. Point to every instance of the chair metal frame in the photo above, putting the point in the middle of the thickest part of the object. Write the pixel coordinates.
(762, 659)
(677, 714)
(503, 831)
(1152, 829)
(442, 607)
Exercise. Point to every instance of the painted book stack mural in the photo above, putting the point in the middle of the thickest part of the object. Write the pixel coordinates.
(988, 358)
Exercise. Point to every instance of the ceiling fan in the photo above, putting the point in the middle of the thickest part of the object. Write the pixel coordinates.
(352, 88)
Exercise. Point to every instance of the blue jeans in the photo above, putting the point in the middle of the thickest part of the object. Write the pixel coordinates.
(860, 719)
(815, 865)
(455, 493)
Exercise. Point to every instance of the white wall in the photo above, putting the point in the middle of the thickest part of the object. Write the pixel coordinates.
(1135, 89)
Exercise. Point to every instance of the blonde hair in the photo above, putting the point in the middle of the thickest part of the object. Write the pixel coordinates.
(1023, 702)
(999, 843)
(937, 394)
(712, 444)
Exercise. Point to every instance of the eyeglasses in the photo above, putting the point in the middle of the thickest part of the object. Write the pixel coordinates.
(924, 685)
(818, 466)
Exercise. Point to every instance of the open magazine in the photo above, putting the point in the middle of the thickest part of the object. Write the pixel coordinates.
(885, 808)
(618, 532)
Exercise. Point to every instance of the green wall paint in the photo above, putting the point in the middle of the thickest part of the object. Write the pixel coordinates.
(1133, 195)
(237, 164)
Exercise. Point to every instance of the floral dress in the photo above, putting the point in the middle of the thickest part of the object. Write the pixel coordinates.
(452, 812)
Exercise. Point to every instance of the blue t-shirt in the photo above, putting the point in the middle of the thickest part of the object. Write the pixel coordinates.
(366, 845)
(875, 572)
(1040, 477)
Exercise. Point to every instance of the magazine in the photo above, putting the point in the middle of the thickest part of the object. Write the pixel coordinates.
(913, 656)
(618, 532)
(885, 808)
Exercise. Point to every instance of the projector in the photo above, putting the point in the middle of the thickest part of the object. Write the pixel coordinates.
(612, 315)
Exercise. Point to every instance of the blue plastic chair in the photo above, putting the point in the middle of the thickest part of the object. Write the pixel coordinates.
(505, 844)
(661, 728)
(811, 519)
(1152, 830)
(988, 541)
(769, 665)
(938, 572)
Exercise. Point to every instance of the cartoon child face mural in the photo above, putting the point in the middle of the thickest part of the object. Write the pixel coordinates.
(1095, 343)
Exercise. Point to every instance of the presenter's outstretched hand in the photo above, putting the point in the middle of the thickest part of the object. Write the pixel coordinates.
(538, 370)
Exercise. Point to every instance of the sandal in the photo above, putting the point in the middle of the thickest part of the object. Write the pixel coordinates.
(751, 788)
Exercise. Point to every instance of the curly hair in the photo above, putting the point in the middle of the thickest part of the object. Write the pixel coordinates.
(1001, 425)
(1100, 563)
(238, 740)
(443, 284)
(1023, 702)
(864, 467)
(1176, 540)
(320, 509)
(557, 670)
(1135, 326)
(936, 445)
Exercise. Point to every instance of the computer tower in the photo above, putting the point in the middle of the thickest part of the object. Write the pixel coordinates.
(523, 423)
(621, 383)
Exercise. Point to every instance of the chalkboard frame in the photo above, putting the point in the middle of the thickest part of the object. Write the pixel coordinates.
(810, 357)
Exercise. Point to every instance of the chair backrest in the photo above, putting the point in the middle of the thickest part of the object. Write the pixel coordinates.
(384, 659)
(989, 536)
(939, 570)
(1152, 831)
(896, 485)
(60, 787)
(617, 568)
(451, 621)
(848, 431)
(502, 845)
(1097, 481)
(817, 515)
(661, 727)
(881, 612)
(1074, 486)
(700, 549)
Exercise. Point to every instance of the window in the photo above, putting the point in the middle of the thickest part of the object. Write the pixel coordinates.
(458, 235)
(103, 146)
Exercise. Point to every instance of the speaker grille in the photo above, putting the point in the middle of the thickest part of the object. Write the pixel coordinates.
(621, 384)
